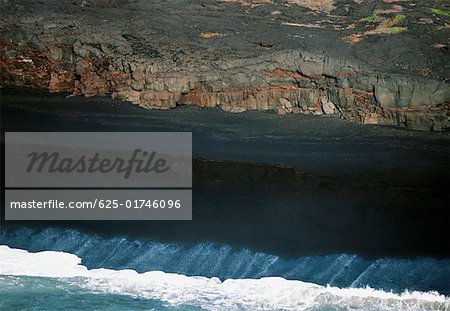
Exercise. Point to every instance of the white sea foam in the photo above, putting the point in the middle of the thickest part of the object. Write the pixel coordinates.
(210, 293)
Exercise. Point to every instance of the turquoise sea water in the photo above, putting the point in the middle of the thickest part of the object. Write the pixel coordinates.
(40, 293)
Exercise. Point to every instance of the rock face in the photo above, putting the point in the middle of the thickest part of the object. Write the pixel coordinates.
(63, 55)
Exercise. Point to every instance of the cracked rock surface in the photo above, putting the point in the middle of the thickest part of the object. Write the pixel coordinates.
(375, 62)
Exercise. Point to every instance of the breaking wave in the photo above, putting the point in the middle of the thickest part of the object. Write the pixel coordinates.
(272, 293)
(152, 275)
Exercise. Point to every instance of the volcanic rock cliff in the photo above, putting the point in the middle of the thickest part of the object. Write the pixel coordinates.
(374, 62)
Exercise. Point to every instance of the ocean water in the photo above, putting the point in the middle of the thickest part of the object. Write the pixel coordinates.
(40, 293)
(57, 269)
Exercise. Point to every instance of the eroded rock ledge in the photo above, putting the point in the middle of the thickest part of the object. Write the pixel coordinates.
(115, 64)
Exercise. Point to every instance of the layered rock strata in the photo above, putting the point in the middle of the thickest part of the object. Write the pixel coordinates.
(286, 81)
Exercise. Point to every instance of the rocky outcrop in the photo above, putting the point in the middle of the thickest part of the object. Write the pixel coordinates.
(288, 81)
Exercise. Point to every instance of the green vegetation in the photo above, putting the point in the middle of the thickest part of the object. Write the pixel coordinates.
(441, 12)
(398, 18)
(370, 19)
(398, 29)
(393, 22)
(373, 18)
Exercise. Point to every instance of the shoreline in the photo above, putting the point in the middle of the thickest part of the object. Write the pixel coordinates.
(225, 155)
(333, 186)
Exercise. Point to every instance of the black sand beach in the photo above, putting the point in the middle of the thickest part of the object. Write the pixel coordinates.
(320, 154)
(291, 185)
